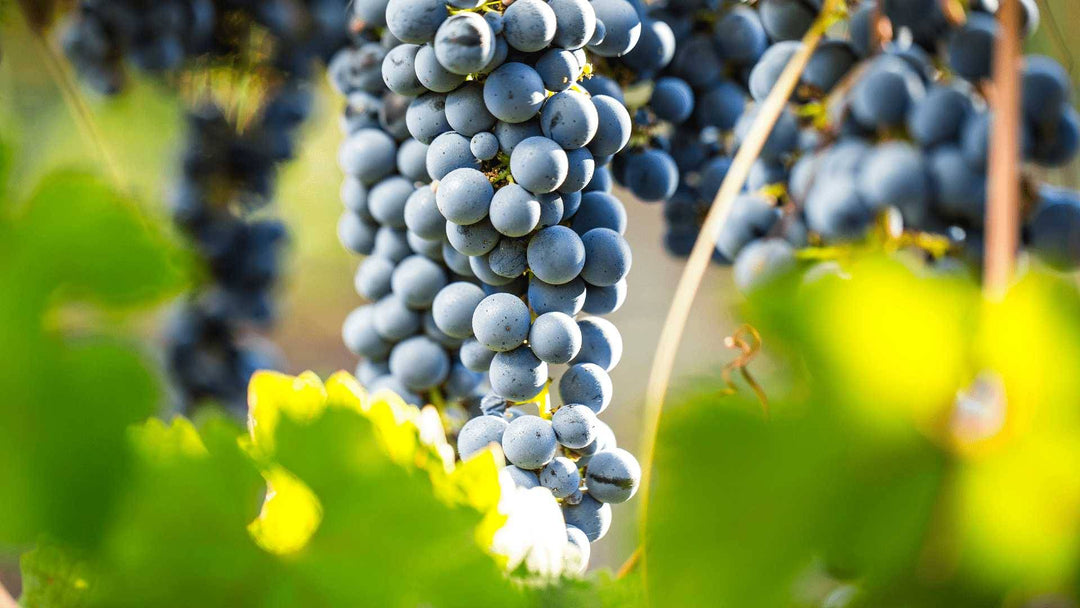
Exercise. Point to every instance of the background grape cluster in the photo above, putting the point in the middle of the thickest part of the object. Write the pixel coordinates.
(230, 161)
(892, 127)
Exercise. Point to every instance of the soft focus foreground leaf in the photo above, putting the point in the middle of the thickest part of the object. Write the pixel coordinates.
(75, 250)
(383, 516)
(742, 509)
(874, 470)
(888, 345)
(179, 537)
(1019, 489)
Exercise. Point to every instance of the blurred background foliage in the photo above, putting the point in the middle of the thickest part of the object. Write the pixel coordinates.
(866, 487)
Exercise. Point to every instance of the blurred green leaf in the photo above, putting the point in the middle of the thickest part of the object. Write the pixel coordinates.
(742, 509)
(179, 534)
(69, 389)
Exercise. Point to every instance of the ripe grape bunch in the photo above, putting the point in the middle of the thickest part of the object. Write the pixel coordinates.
(892, 127)
(478, 188)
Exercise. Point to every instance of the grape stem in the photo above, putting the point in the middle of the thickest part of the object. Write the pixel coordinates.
(1003, 203)
(701, 256)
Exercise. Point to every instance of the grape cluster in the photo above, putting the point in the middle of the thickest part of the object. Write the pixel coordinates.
(159, 36)
(909, 143)
(229, 163)
(478, 188)
(402, 348)
(225, 175)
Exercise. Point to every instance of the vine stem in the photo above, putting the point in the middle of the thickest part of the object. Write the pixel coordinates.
(701, 256)
(1003, 205)
(80, 111)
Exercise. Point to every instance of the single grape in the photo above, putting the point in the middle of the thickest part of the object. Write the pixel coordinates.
(508, 259)
(515, 211)
(575, 23)
(600, 210)
(601, 343)
(360, 336)
(613, 476)
(555, 338)
(971, 48)
(399, 71)
(501, 322)
(586, 384)
(392, 244)
(466, 112)
(484, 146)
(412, 161)
(529, 442)
(896, 174)
(559, 69)
(581, 166)
(426, 118)
(419, 363)
(568, 298)
(655, 48)
(740, 37)
(514, 93)
(575, 426)
(529, 25)
(938, 118)
(1054, 232)
(373, 278)
(432, 74)
(449, 152)
(386, 201)
(652, 175)
(570, 119)
(767, 71)
(672, 100)
(622, 28)
(422, 215)
(464, 196)
(751, 218)
(394, 320)
(590, 516)
(556, 255)
(464, 43)
(474, 239)
(355, 234)
(561, 476)
(415, 21)
(479, 433)
(614, 125)
(539, 165)
(369, 155)
(605, 300)
(607, 257)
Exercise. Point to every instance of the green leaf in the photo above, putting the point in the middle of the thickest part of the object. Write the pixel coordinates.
(742, 508)
(179, 534)
(70, 390)
(380, 521)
